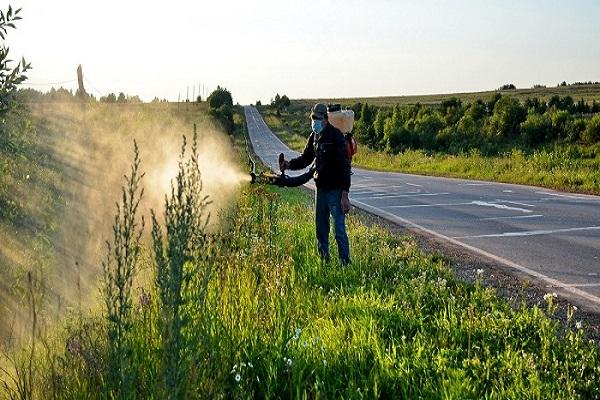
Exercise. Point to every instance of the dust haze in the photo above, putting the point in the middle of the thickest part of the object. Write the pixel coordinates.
(91, 149)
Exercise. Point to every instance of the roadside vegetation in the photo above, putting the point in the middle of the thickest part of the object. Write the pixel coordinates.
(250, 311)
(553, 143)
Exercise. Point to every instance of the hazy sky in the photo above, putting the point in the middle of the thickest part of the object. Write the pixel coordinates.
(307, 48)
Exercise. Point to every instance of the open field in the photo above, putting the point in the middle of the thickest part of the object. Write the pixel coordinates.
(586, 92)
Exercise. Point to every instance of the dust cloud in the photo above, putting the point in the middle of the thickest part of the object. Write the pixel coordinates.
(88, 151)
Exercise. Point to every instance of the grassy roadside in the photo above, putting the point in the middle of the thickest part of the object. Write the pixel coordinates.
(273, 321)
(571, 167)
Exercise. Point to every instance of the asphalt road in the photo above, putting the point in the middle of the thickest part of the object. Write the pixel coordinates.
(550, 236)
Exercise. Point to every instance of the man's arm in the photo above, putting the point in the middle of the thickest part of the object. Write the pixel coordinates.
(307, 156)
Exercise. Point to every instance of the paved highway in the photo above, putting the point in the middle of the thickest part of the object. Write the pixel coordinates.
(551, 236)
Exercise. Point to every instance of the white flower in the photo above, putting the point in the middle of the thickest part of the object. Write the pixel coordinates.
(257, 380)
(289, 362)
(250, 365)
(243, 364)
(27, 177)
(554, 295)
(324, 363)
(574, 308)
(479, 271)
(238, 377)
(578, 325)
(304, 344)
(297, 334)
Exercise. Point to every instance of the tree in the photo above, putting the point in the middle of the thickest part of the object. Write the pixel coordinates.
(591, 134)
(219, 97)
(507, 117)
(363, 131)
(220, 105)
(10, 77)
(378, 128)
(535, 129)
(122, 98)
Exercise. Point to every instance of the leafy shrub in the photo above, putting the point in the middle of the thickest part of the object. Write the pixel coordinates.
(592, 131)
(507, 117)
(535, 128)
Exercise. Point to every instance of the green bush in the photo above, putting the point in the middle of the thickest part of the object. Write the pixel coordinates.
(535, 129)
(591, 134)
(507, 117)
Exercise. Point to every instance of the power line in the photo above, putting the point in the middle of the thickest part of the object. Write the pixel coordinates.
(48, 83)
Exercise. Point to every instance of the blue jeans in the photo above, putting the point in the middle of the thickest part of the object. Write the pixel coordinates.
(328, 203)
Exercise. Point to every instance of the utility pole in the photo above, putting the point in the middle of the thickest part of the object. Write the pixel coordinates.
(194, 94)
(81, 92)
(187, 94)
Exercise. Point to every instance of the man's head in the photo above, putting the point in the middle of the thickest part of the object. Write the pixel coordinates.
(318, 116)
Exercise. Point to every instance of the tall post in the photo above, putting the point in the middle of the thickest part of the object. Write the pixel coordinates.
(81, 91)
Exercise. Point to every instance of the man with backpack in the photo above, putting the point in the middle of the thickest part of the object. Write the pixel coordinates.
(326, 146)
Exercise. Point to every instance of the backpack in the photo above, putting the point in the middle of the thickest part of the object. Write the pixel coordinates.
(343, 120)
(351, 145)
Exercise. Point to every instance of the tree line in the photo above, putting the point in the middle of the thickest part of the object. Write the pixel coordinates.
(491, 126)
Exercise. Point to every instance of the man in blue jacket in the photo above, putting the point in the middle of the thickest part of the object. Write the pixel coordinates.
(326, 146)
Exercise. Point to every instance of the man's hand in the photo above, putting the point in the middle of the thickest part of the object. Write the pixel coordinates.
(283, 164)
(345, 202)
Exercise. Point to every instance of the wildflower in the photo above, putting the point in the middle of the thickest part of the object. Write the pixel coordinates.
(574, 308)
(288, 361)
(27, 177)
(324, 363)
(304, 344)
(297, 334)
(250, 365)
(479, 271)
(554, 295)
(578, 325)
(243, 364)
(237, 377)
(257, 380)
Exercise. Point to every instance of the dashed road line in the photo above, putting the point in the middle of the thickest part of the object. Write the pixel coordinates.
(531, 233)
(512, 217)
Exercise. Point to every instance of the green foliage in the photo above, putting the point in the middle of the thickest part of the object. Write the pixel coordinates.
(507, 116)
(10, 76)
(280, 103)
(220, 97)
(592, 130)
(221, 107)
(177, 261)
(119, 271)
(535, 128)
(277, 323)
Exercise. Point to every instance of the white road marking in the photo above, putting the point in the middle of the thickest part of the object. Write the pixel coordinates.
(515, 202)
(431, 205)
(403, 195)
(475, 184)
(413, 184)
(512, 217)
(383, 194)
(531, 233)
(501, 206)
(507, 191)
(555, 282)
(570, 196)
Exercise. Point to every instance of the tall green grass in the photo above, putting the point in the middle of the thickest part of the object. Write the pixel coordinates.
(251, 311)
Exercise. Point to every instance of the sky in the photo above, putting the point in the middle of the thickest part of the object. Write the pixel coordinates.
(306, 49)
